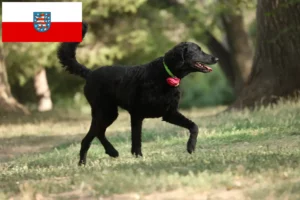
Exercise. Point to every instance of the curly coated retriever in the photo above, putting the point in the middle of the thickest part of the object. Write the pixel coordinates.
(145, 91)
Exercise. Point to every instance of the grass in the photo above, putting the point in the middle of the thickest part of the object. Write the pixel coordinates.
(239, 155)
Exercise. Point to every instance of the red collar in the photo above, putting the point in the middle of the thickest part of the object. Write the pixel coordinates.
(173, 80)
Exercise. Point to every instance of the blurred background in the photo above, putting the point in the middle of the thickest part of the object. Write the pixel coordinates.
(131, 32)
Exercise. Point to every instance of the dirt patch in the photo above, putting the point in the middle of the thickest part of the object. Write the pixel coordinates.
(180, 194)
(184, 194)
(228, 193)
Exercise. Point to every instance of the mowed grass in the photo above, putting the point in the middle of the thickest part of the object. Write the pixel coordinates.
(239, 155)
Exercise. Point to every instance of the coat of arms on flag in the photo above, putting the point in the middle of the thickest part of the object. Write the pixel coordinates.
(41, 21)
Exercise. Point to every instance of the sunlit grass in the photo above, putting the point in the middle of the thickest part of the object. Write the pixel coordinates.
(244, 154)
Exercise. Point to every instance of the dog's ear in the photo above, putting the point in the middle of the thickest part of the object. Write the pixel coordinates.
(176, 56)
(184, 46)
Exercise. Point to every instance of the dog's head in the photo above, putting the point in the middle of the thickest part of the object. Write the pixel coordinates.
(187, 57)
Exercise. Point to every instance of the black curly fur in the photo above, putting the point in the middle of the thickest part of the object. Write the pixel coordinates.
(141, 90)
(66, 54)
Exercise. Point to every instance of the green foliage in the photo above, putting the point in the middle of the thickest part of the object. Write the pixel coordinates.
(24, 59)
(105, 8)
(201, 90)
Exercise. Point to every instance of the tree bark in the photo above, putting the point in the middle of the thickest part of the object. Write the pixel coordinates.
(240, 50)
(276, 67)
(42, 91)
(225, 61)
(7, 102)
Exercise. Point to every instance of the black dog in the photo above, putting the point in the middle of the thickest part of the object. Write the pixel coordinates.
(145, 91)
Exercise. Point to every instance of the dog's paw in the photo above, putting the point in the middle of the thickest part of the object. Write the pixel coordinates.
(112, 153)
(81, 162)
(191, 145)
(137, 152)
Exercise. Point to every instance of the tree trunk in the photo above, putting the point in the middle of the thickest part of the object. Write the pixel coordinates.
(276, 67)
(42, 91)
(225, 61)
(240, 50)
(7, 102)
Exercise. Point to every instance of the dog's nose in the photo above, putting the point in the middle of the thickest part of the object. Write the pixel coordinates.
(215, 59)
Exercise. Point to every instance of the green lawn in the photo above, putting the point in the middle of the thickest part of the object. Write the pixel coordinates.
(240, 155)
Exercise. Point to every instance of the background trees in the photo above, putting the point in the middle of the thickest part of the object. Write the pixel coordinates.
(276, 67)
(136, 31)
(7, 102)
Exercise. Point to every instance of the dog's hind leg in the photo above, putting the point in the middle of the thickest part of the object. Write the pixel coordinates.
(105, 120)
(102, 118)
(86, 142)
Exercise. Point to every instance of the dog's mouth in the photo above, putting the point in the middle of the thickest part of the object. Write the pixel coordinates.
(201, 67)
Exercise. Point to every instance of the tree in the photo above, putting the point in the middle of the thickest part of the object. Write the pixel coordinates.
(239, 50)
(24, 61)
(7, 102)
(42, 91)
(276, 65)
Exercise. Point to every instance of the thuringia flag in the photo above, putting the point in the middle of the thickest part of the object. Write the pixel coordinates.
(41, 22)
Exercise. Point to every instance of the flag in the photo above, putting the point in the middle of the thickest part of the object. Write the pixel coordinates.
(41, 22)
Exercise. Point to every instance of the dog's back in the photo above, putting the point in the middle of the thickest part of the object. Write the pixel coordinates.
(135, 89)
(110, 82)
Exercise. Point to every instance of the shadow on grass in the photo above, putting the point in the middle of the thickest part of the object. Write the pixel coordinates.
(56, 115)
(217, 162)
(16, 146)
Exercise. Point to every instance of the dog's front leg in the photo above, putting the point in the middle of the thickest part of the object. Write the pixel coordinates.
(136, 136)
(175, 117)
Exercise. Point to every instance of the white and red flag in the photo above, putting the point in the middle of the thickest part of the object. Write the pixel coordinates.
(41, 22)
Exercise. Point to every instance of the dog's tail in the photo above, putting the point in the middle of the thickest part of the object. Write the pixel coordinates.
(67, 56)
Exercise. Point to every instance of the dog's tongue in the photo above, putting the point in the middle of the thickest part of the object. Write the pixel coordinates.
(199, 65)
(208, 68)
